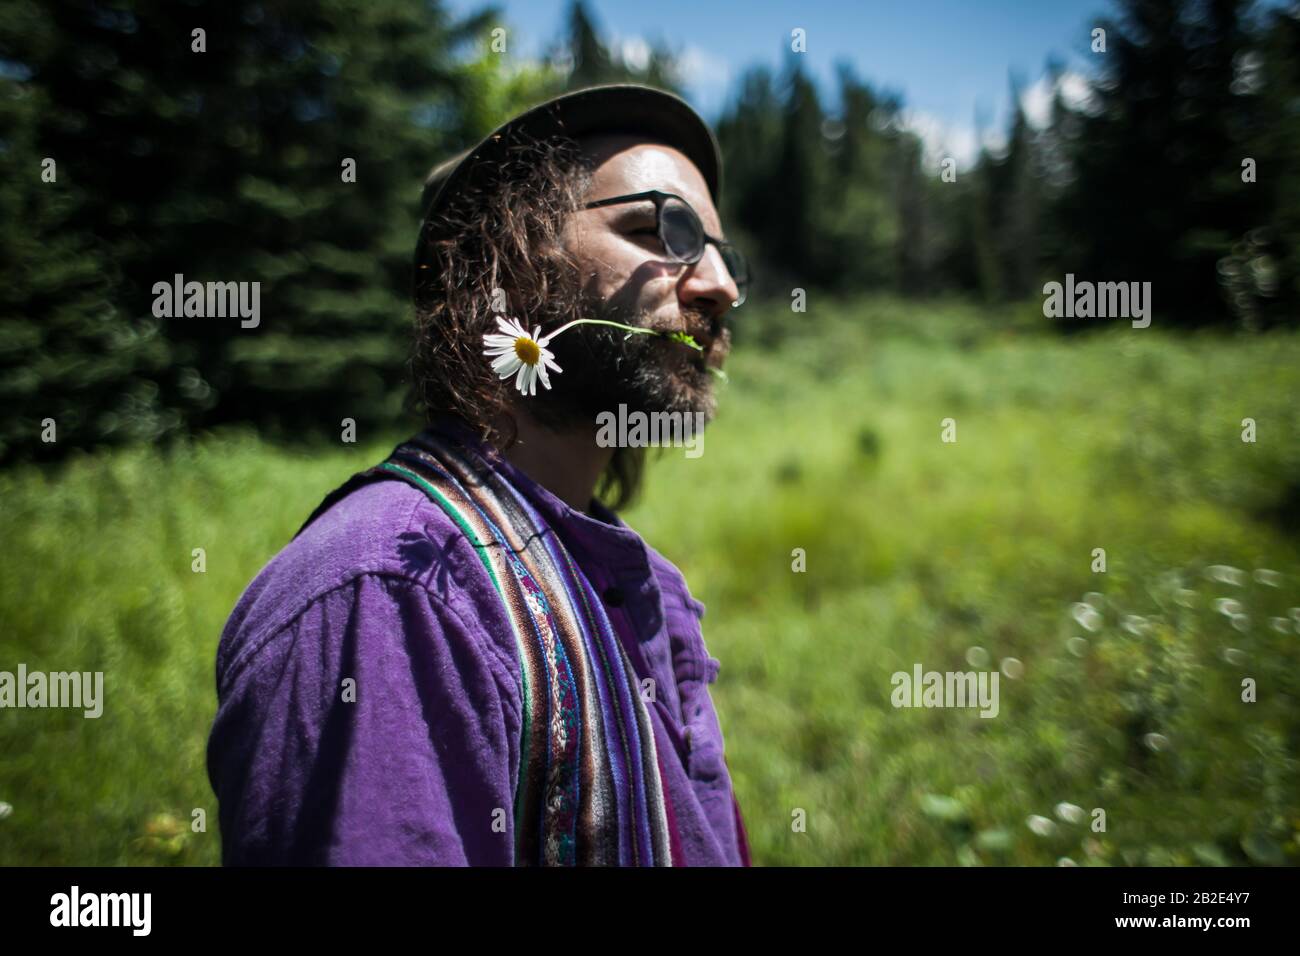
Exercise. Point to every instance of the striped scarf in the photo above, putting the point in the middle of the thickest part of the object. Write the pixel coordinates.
(589, 790)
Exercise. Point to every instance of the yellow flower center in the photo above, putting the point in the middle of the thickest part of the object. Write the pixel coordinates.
(528, 351)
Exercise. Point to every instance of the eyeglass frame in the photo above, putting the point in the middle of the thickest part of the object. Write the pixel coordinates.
(659, 197)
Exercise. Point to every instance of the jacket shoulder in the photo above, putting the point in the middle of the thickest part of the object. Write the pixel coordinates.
(387, 528)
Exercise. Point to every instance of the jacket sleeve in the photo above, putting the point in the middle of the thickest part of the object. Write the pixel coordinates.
(376, 728)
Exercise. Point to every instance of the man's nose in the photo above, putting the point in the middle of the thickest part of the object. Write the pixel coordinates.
(709, 279)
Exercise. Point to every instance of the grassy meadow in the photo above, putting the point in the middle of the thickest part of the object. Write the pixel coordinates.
(1120, 692)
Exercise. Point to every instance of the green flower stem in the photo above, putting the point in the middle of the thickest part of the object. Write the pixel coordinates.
(617, 325)
(681, 337)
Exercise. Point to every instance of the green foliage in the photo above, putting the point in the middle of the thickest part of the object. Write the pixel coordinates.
(1142, 182)
(1264, 281)
(67, 352)
(1157, 154)
(917, 551)
(589, 60)
(820, 199)
(1173, 649)
(226, 165)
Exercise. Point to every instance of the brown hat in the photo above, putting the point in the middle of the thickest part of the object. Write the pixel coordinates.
(613, 108)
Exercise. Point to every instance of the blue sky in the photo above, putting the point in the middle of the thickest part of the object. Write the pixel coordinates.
(950, 59)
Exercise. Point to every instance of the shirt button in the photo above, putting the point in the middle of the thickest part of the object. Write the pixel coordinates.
(614, 596)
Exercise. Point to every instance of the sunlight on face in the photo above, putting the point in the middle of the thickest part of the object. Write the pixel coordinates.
(621, 255)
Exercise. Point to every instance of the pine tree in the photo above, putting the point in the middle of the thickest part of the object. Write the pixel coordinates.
(225, 156)
(591, 61)
(1156, 156)
(1264, 269)
(795, 248)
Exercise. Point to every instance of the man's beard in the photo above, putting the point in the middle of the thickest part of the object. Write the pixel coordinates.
(606, 367)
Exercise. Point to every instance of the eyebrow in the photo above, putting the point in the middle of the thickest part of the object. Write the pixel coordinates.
(637, 207)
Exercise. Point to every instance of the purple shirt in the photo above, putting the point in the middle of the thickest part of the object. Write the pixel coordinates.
(383, 589)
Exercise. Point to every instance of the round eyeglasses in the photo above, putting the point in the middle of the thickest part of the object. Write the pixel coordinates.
(683, 237)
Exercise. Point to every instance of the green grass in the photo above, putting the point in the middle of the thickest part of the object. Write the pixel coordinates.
(917, 551)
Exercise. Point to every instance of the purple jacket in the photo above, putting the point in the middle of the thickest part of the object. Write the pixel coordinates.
(384, 589)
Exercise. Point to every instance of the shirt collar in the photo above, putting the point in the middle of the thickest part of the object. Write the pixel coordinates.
(601, 536)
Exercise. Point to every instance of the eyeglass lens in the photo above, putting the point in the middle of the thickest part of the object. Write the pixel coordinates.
(683, 235)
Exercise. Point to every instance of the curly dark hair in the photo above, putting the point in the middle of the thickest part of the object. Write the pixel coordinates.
(503, 239)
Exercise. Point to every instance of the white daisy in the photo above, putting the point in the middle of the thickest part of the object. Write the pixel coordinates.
(514, 352)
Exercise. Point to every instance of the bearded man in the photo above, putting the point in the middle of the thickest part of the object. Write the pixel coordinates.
(465, 656)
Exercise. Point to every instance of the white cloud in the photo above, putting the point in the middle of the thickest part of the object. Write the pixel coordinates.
(962, 141)
(701, 68)
(706, 79)
(635, 52)
(941, 139)
(1036, 100)
(705, 76)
